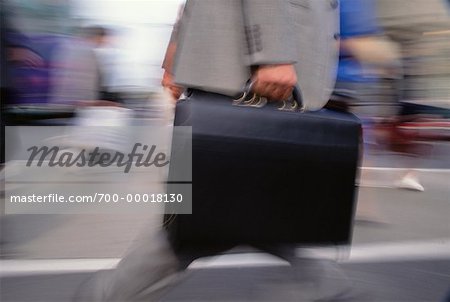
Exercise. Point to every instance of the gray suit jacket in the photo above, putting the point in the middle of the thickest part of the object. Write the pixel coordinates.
(220, 40)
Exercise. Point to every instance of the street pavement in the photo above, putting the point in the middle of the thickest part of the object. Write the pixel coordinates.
(400, 249)
(398, 281)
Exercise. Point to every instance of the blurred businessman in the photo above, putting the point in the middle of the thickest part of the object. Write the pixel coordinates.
(217, 46)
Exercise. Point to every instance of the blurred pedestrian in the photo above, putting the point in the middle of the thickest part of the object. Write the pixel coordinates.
(15, 52)
(217, 46)
(369, 74)
(78, 77)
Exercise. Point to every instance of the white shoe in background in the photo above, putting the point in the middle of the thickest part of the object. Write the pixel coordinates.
(410, 182)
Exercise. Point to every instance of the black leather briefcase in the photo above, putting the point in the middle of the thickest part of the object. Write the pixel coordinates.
(262, 175)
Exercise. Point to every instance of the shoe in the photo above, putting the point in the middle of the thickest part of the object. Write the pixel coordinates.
(410, 183)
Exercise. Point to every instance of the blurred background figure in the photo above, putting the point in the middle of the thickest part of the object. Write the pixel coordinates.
(32, 32)
(387, 59)
(421, 29)
(368, 72)
(369, 62)
(138, 33)
(79, 76)
(29, 34)
(369, 67)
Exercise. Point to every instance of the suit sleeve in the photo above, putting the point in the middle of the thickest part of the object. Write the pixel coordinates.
(171, 48)
(270, 37)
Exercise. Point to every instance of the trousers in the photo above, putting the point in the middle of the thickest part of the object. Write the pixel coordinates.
(151, 267)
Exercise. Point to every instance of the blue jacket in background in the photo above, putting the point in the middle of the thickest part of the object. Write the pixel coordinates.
(358, 18)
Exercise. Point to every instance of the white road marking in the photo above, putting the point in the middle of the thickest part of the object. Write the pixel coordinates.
(438, 249)
(54, 266)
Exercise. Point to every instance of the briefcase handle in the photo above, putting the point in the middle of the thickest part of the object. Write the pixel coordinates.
(249, 99)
